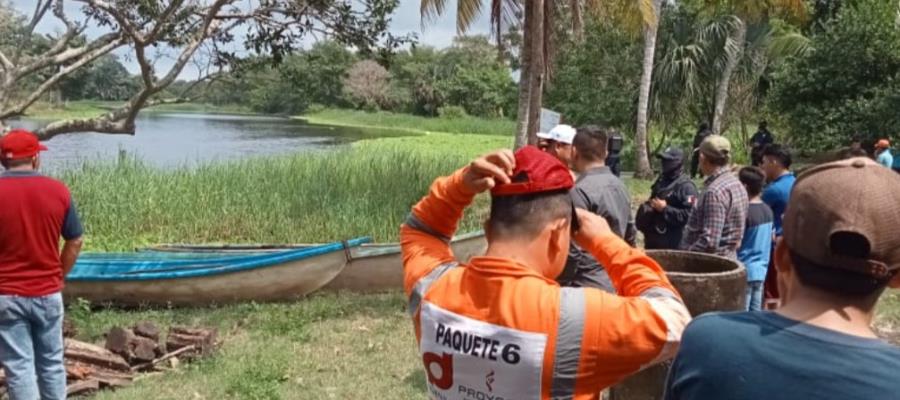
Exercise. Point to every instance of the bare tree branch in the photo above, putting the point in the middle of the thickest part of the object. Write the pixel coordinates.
(5, 63)
(68, 55)
(20, 108)
(163, 20)
(40, 9)
(121, 120)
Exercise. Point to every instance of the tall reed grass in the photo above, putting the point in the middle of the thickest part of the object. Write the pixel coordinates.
(307, 197)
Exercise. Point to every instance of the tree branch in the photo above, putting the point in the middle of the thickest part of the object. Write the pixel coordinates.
(20, 108)
(40, 9)
(121, 120)
(5, 63)
(163, 20)
(67, 56)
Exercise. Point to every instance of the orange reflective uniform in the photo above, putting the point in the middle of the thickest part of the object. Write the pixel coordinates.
(493, 329)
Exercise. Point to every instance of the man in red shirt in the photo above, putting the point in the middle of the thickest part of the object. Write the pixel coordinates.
(35, 211)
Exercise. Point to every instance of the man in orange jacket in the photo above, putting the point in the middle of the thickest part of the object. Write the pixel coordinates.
(499, 326)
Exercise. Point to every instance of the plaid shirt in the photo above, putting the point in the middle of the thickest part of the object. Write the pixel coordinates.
(716, 225)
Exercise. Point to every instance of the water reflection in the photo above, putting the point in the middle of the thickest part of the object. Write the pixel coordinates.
(175, 139)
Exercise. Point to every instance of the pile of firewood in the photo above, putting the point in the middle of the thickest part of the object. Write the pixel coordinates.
(127, 353)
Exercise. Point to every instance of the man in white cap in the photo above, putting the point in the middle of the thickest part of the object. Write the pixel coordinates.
(558, 143)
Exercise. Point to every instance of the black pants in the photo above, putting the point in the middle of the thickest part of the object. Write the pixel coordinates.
(613, 163)
(695, 165)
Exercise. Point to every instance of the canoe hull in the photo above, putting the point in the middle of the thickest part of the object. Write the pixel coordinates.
(280, 282)
(382, 272)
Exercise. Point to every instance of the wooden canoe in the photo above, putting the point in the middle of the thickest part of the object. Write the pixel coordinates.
(206, 278)
(373, 267)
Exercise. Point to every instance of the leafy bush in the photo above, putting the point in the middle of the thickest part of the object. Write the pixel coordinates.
(452, 112)
(597, 80)
(849, 81)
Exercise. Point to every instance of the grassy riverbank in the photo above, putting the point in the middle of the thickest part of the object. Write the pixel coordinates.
(411, 123)
(92, 108)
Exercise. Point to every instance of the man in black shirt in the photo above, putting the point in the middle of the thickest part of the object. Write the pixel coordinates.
(758, 143)
(702, 132)
(662, 218)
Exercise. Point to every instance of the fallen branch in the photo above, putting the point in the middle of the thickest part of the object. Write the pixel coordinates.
(165, 357)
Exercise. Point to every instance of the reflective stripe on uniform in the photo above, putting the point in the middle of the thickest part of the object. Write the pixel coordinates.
(568, 343)
(414, 222)
(422, 286)
(659, 292)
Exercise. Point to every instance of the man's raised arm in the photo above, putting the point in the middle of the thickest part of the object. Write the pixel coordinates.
(425, 237)
(639, 327)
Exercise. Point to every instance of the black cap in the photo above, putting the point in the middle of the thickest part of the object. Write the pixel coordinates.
(671, 154)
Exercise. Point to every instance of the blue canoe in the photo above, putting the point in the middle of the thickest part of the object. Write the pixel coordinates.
(206, 278)
(373, 267)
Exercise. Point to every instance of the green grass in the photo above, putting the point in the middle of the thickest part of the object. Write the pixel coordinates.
(412, 123)
(363, 190)
(69, 110)
(92, 108)
(201, 108)
(328, 346)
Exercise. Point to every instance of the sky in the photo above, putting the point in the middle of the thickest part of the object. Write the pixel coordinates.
(405, 20)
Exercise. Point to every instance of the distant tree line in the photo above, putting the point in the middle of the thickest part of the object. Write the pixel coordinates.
(467, 77)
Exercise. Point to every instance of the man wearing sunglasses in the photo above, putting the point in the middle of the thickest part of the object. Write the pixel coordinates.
(499, 326)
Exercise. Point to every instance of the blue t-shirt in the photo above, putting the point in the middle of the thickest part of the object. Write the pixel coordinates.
(756, 247)
(886, 159)
(762, 355)
(777, 195)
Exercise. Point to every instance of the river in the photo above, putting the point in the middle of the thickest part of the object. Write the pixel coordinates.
(185, 139)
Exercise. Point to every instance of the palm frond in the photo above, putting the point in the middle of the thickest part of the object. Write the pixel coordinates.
(430, 10)
(466, 13)
(791, 44)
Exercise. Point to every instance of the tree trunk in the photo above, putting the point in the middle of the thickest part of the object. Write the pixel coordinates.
(738, 40)
(523, 114)
(536, 78)
(531, 80)
(642, 169)
(577, 21)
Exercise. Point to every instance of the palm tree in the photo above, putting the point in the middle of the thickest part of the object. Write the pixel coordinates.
(739, 14)
(650, 31)
(694, 54)
(532, 54)
(643, 16)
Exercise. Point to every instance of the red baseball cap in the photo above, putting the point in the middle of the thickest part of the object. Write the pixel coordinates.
(20, 143)
(535, 172)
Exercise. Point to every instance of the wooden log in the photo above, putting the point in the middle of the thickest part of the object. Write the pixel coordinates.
(94, 355)
(118, 341)
(82, 387)
(133, 348)
(147, 329)
(78, 371)
(165, 357)
(203, 339)
(143, 349)
(112, 379)
(69, 330)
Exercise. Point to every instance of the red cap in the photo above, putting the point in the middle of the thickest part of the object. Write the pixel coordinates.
(883, 144)
(20, 144)
(536, 172)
